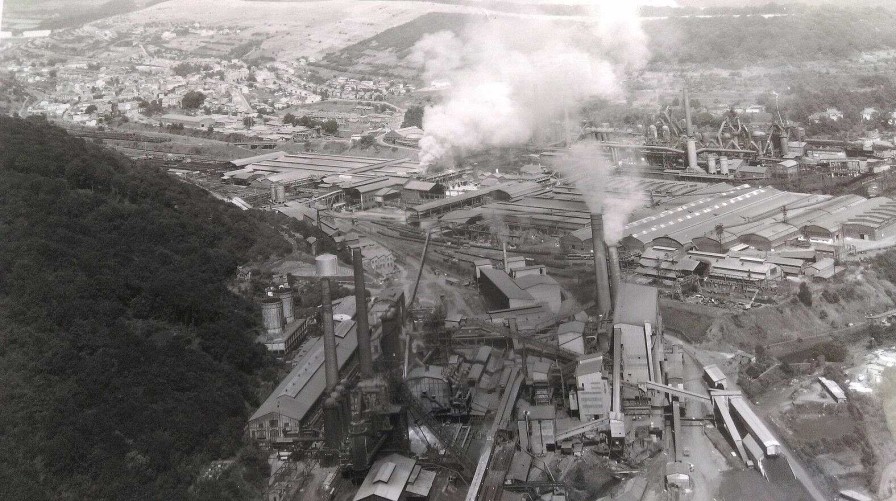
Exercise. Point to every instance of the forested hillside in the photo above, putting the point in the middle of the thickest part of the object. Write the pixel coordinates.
(126, 365)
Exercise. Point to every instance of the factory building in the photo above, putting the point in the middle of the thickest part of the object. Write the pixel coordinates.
(544, 289)
(571, 336)
(285, 410)
(200, 122)
(363, 192)
(395, 478)
(415, 192)
(500, 291)
(875, 224)
(431, 387)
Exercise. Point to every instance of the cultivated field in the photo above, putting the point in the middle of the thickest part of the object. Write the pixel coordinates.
(295, 29)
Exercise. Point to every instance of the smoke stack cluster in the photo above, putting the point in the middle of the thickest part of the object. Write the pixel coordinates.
(365, 353)
(606, 267)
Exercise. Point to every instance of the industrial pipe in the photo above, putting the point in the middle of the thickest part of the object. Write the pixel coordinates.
(365, 352)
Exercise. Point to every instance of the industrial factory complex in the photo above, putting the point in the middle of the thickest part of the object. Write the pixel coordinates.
(391, 396)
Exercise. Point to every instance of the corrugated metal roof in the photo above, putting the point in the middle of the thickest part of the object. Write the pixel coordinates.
(387, 478)
(418, 185)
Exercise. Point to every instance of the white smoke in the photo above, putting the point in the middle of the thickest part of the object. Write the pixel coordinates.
(509, 75)
(587, 167)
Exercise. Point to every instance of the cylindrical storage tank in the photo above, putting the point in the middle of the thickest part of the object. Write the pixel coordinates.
(285, 296)
(272, 316)
(666, 132)
(692, 154)
(801, 133)
(602, 281)
(711, 164)
(651, 131)
(280, 192)
(723, 165)
(331, 365)
(785, 147)
(327, 265)
(274, 193)
(615, 271)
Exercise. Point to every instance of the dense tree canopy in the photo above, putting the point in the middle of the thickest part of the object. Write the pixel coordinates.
(193, 100)
(413, 116)
(126, 363)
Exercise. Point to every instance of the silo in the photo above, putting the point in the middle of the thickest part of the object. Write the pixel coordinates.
(272, 315)
(711, 164)
(652, 132)
(723, 165)
(285, 296)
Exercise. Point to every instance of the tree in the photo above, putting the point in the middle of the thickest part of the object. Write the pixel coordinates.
(90, 109)
(289, 118)
(192, 100)
(413, 117)
(330, 127)
(366, 141)
(248, 122)
(805, 295)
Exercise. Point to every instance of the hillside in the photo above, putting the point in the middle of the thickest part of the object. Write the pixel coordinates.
(835, 310)
(732, 38)
(127, 365)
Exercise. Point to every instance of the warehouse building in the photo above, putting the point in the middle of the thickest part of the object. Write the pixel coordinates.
(395, 478)
(415, 192)
(500, 291)
(284, 411)
(200, 122)
(875, 224)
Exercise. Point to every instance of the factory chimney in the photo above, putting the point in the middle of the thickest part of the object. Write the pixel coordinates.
(326, 268)
(600, 265)
(691, 141)
(365, 353)
(615, 272)
(506, 267)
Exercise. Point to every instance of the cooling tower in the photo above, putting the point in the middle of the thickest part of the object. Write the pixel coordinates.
(272, 316)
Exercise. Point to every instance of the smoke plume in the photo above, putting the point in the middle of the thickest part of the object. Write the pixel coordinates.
(587, 167)
(511, 74)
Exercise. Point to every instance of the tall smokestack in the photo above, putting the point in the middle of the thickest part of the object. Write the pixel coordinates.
(600, 265)
(326, 266)
(692, 154)
(506, 267)
(615, 272)
(365, 353)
